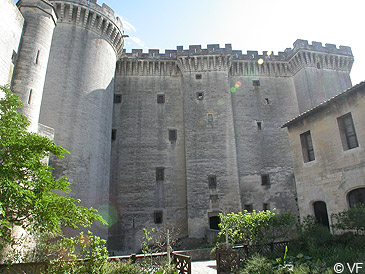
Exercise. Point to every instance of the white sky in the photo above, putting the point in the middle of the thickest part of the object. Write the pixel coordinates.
(246, 24)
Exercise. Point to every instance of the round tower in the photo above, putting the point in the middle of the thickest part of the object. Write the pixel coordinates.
(78, 97)
(30, 71)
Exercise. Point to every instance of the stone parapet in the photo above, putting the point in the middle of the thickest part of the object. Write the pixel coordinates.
(95, 18)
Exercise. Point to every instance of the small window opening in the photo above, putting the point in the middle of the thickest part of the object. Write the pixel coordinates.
(347, 131)
(266, 206)
(212, 180)
(256, 83)
(160, 173)
(172, 135)
(213, 198)
(37, 58)
(198, 76)
(210, 117)
(114, 134)
(267, 102)
(160, 98)
(13, 57)
(318, 65)
(214, 222)
(158, 216)
(117, 98)
(30, 97)
(200, 95)
(248, 207)
(259, 125)
(265, 179)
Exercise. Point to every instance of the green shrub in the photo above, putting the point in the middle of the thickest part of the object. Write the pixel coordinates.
(113, 267)
(352, 219)
(258, 264)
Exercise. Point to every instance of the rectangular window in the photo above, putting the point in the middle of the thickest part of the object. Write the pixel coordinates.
(267, 102)
(347, 132)
(200, 95)
(198, 76)
(265, 179)
(256, 83)
(158, 217)
(210, 117)
(160, 173)
(266, 206)
(117, 98)
(172, 135)
(259, 125)
(249, 207)
(212, 180)
(160, 98)
(114, 134)
(307, 146)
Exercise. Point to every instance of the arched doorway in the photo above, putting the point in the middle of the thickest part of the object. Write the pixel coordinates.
(356, 196)
(320, 212)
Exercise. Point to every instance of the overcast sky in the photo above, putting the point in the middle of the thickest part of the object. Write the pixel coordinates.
(246, 24)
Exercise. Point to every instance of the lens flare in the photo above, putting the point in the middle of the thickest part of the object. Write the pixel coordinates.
(260, 61)
(233, 90)
(238, 83)
(109, 214)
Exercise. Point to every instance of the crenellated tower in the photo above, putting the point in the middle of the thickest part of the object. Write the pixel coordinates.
(30, 70)
(319, 72)
(78, 97)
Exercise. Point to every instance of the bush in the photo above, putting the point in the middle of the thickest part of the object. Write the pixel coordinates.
(258, 264)
(352, 219)
(118, 267)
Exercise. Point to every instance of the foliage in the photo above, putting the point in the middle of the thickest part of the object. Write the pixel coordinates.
(258, 264)
(246, 227)
(352, 219)
(256, 227)
(79, 254)
(117, 267)
(29, 194)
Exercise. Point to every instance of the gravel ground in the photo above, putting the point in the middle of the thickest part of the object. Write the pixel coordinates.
(204, 267)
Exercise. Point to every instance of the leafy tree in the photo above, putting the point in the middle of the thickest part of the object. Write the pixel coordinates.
(29, 193)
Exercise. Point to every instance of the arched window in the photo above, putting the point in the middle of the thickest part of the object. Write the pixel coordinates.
(356, 196)
(320, 212)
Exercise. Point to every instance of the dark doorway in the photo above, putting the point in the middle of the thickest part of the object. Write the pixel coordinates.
(320, 212)
(214, 222)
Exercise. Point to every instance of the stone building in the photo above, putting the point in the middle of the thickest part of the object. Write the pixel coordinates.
(169, 138)
(327, 144)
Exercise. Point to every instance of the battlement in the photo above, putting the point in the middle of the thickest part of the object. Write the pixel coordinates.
(215, 49)
(89, 15)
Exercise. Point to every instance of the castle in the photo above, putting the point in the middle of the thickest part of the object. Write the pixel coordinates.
(173, 138)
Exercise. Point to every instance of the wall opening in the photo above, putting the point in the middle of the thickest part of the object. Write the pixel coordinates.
(214, 221)
(320, 212)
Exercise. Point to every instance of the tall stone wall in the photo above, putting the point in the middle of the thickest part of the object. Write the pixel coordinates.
(78, 98)
(262, 146)
(141, 145)
(11, 22)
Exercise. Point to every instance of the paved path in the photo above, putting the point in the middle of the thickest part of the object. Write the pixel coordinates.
(204, 267)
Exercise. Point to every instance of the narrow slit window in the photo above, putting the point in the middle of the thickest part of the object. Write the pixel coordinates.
(30, 97)
(200, 95)
(267, 102)
(210, 117)
(37, 57)
(13, 57)
(114, 134)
